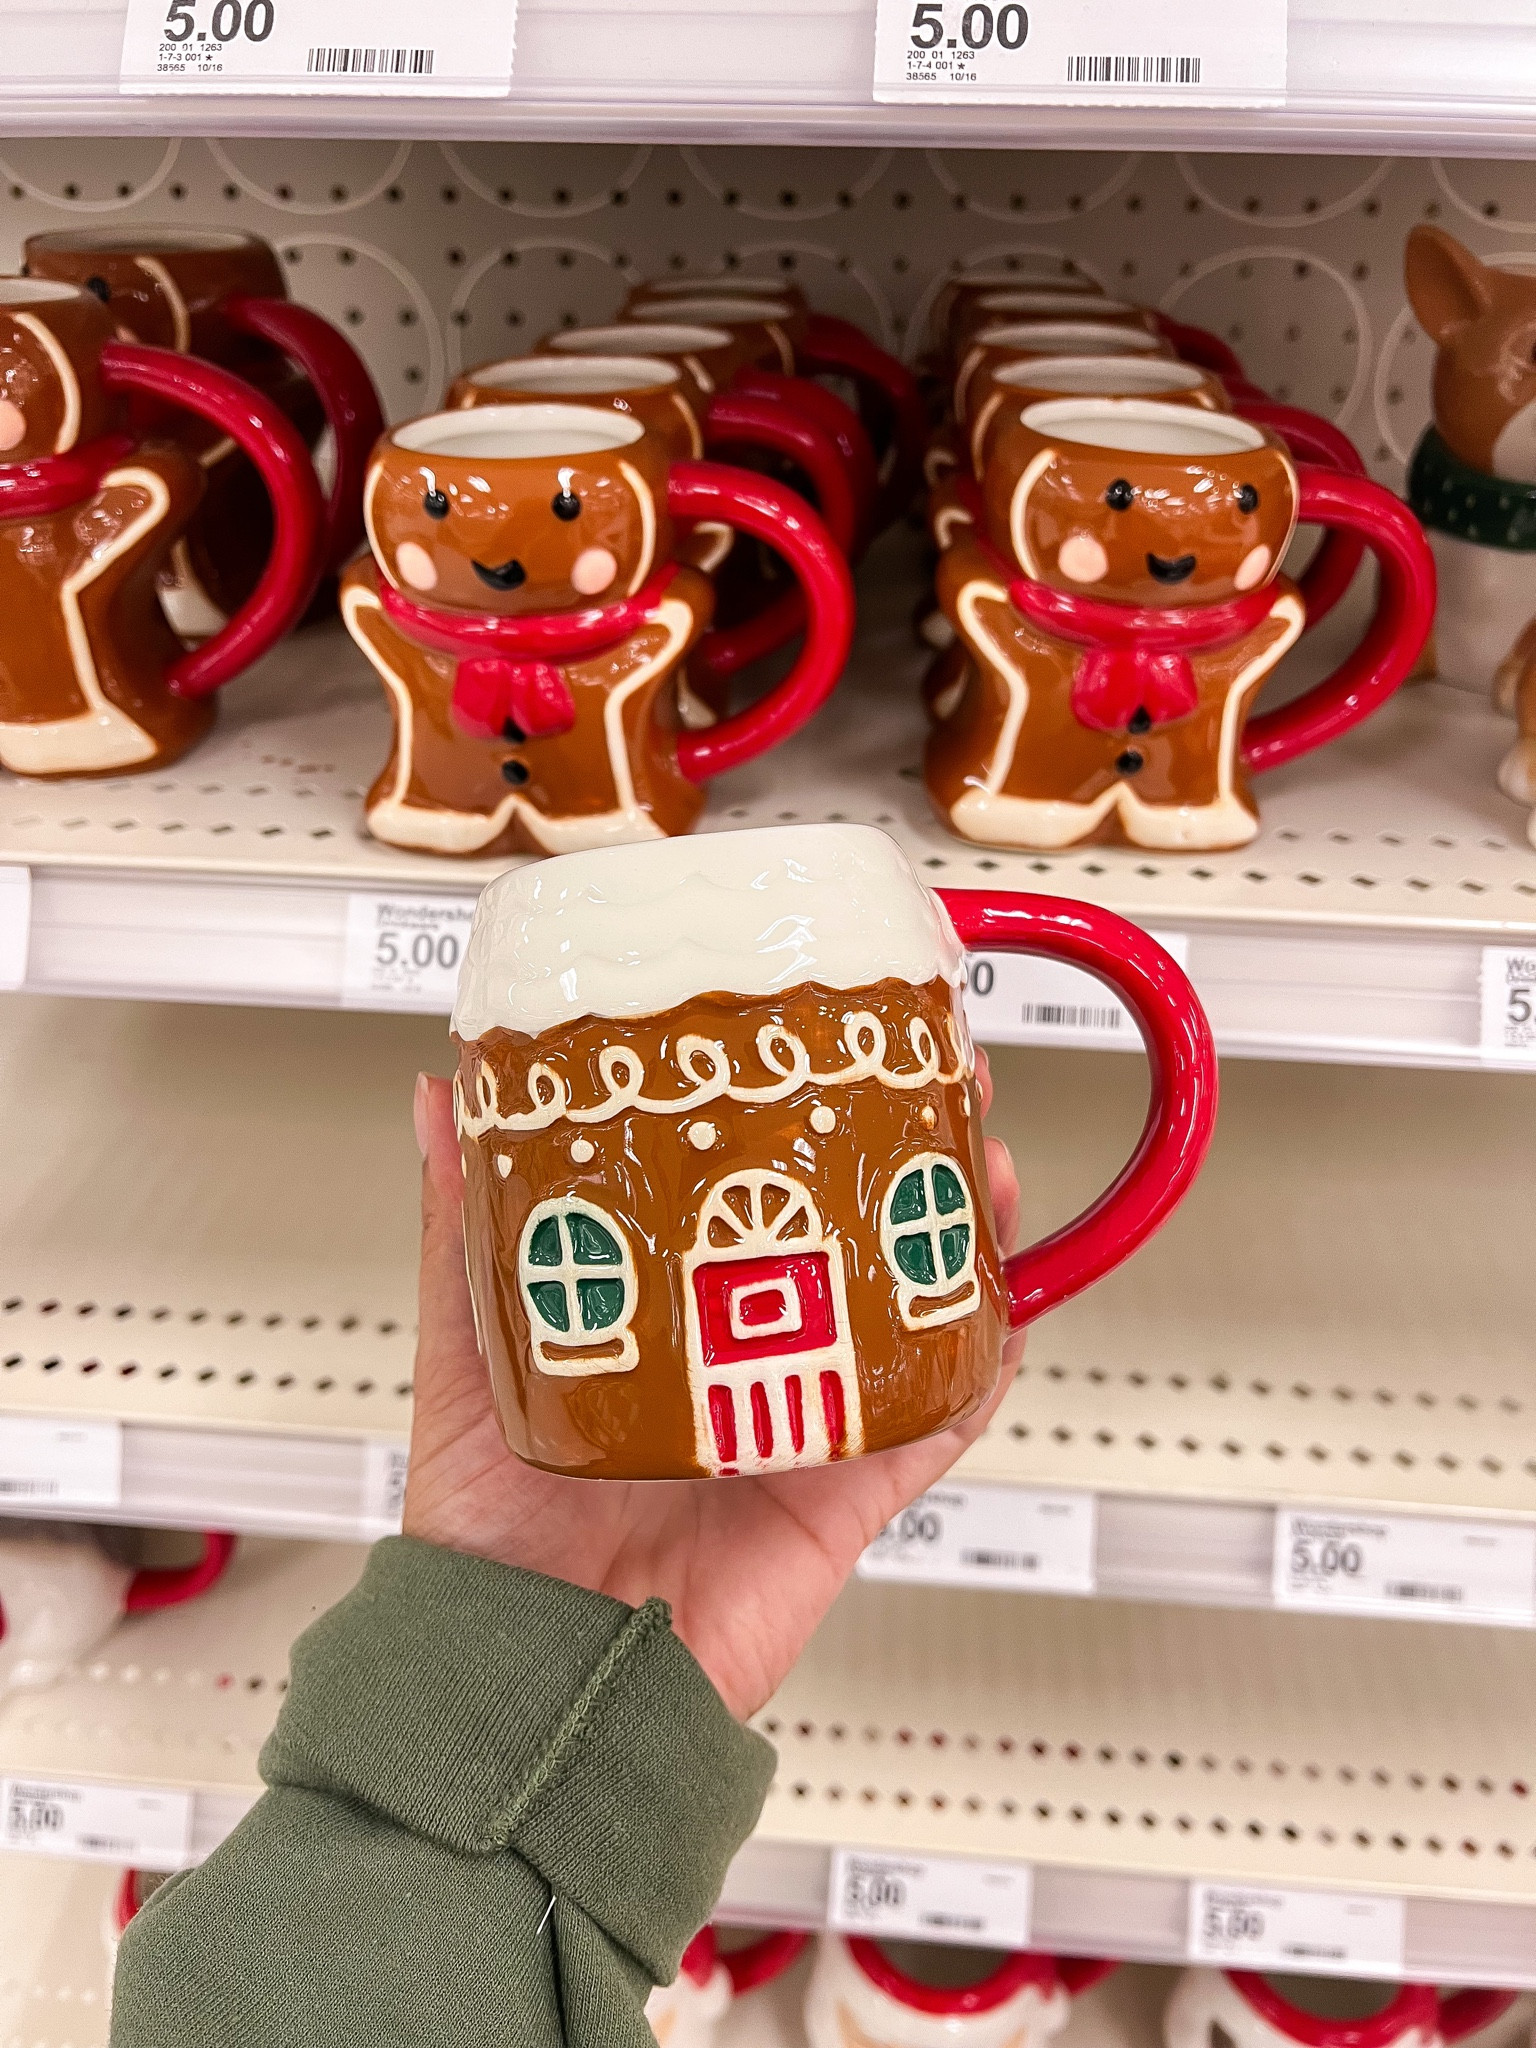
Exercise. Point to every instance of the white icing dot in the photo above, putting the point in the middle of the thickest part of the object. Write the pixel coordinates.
(823, 1119)
(930, 1115)
(503, 1163)
(582, 1150)
(702, 1135)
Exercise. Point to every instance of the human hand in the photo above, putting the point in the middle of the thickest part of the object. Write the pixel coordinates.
(749, 1566)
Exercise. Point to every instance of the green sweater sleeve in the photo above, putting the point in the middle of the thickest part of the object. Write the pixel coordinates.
(499, 1807)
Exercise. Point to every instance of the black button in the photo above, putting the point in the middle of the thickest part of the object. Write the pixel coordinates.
(515, 772)
(1128, 762)
(1141, 720)
(514, 735)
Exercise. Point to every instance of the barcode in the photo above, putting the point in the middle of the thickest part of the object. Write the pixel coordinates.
(32, 1487)
(1133, 71)
(1416, 1589)
(1003, 1560)
(1074, 1016)
(372, 63)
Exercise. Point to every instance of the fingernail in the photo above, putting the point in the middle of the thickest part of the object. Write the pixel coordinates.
(419, 1114)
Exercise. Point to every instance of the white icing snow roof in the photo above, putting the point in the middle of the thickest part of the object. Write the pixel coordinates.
(627, 931)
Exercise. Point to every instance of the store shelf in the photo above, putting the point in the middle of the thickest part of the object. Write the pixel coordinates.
(1350, 930)
(1111, 1747)
(209, 1236)
(1427, 78)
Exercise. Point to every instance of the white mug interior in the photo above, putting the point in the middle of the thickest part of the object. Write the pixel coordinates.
(511, 433)
(146, 241)
(724, 312)
(38, 291)
(1055, 301)
(573, 376)
(1141, 426)
(716, 287)
(1102, 376)
(673, 339)
(1071, 337)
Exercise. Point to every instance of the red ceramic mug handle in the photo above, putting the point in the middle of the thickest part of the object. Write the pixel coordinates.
(1080, 1973)
(886, 387)
(298, 516)
(735, 497)
(346, 393)
(151, 1589)
(757, 422)
(1180, 1116)
(1405, 611)
(1199, 346)
(1468, 2012)
(834, 418)
(759, 1962)
(1311, 438)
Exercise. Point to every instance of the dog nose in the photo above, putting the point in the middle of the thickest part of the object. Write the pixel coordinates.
(511, 574)
(1171, 568)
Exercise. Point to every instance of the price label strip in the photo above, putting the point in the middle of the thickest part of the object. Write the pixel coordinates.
(404, 952)
(15, 925)
(59, 1464)
(1507, 1007)
(1434, 1568)
(360, 48)
(1331, 1934)
(384, 1471)
(1012, 1538)
(151, 1830)
(1183, 53)
(932, 1898)
(1020, 999)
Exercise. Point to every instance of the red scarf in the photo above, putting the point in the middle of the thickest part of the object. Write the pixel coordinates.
(52, 483)
(509, 670)
(1137, 656)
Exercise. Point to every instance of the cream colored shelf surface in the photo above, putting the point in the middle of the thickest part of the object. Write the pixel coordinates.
(1351, 929)
(1422, 78)
(208, 1222)
(1124, 1752)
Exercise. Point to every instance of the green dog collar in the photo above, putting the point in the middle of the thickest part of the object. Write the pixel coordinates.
(1449, 496)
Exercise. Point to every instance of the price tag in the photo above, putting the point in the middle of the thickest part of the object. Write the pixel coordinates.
(384, 1471)
(1183, 53)
(404, 952)
(97, 1823)
(934, 1898)
(1508, 1006)
(1332, 1934)
(15, 924)
(60, 1464)
(1435, 1568)
(1020, 999)
(347, 48)
(1014, 1538)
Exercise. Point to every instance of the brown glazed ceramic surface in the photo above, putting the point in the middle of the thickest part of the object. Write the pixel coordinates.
(468, 517)
(1027, 340)
(1483, 322)
(84, 646)
(742, 1153)
(997, 388)
(661, 291)
(771, 328)
(1045, 274)
(1013, 308)
(167, 287)
(711, 356)
(656, 391)
(1142, 505)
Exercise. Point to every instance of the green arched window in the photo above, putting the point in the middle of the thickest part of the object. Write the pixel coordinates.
(577, 1279)
(928, 1237)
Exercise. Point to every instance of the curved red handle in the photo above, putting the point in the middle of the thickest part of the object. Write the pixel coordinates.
(150, 1589)
(735, 497)
(1180, 1051)
(1405, 611)
(1081, 1973)
(834, 418)
(1199, 346)
(766, 423)
(1468, 2012)
(346, 392)
(1311, 438)
(298, 517)
(761, 1961)
(890, 403)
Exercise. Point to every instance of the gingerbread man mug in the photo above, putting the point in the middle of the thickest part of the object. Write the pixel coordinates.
(1122, 609)
(872, 1994)
(92, 679)
(221, 295)
(726, 1204)
(1242, 2009)
(529, 623)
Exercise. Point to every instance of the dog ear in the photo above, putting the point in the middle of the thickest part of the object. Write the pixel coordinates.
(1448, 287)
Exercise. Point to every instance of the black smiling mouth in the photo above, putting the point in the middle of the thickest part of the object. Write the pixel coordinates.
(1166, 568)
(511, 574)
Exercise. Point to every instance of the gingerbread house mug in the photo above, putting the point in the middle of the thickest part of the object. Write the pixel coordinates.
(870, 1994)
(529, 623)
(726, 1207)
(92, 679)
(1122, 609)
(687, 2012)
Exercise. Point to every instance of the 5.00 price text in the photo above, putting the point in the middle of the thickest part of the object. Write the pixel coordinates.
(254, 19)
(978, 25)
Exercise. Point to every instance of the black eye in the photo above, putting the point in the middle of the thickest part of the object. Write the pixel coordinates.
(1247, 498)
(100, 287)
(435, 505)
(565, 504)
(1120, 495)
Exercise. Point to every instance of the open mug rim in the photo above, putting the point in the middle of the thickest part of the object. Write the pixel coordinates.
(1227, 435)
(443, 435)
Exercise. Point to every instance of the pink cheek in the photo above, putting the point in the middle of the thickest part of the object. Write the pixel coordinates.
(1082, 559)
(592, 571)
(414, 566)
(13, 424)
(1253, 568)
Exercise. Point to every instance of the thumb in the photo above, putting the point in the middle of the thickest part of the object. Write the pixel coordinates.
(448, 1363)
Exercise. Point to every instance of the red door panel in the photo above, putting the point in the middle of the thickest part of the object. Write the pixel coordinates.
(720, 1283)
